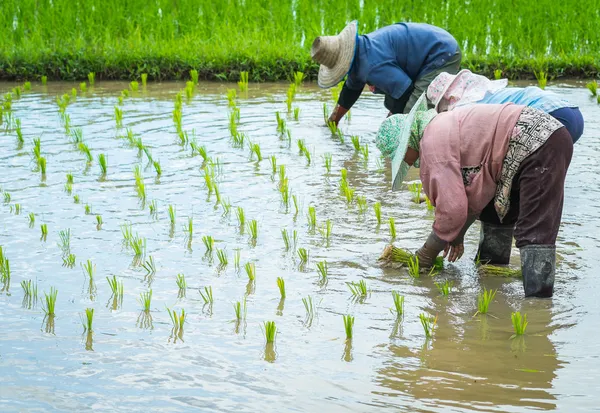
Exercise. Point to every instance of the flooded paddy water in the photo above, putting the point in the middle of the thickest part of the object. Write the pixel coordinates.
(134, 361)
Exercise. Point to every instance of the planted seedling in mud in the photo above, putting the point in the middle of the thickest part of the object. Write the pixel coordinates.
(358, 289)
(497, 74)
(542, 78)
(236, 259)
(193, 76)
(312, 218)
(102, 163)
(250, 270)
(303, 255)
(231, 96)
(92, 78)
(37, 149)
(42, 165)
(207, 295)
(178, 320)
(325, 230)
(83, 148)
(5, 273)
(311, 310)
(348, 193)
(172, 215)
(243, 83)
(126, 231)
(137, 245)
(49, 303)
(364, 150)
(87, 320)
(483, 301)
(89, 269)
(222, 256)
(398, 304)
(146, 300)
(323, 270)
(118, 117)
(296, 113)
(226, 207)
(519, 323)
(153, 207)
(255, 150)
(377, 209)
(65, 240)
(430, 206)
(27, 86)
(270, 331)
(253, 230)
(241, 217)
(361, 202)
(99, 222)
(30, 292)
(295, 200)
(44, 228)
(429, 323)
(290, 94)
(189, 89)
(116, 287)
(44, 80)
(445, 287)
(348, 326)
(149, 266)
(414, 269)
(392, 222)
(16, 209)
(301, 146)
(298, 78)
(69, 260)
(281, 128)
(209, 243)
(74, 93)
(355, 142)
(240, 310)
(189, 228)
(147, 151)
(7, 197)
(327, 159)
(415, 190)
(18, 131)
(88, 209)
(593, 87)
(286, 238)
(31, 219)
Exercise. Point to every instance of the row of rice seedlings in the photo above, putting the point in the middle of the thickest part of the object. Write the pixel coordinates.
(87, 320)
(445, 288)
(429, 324)
(243, 82)
(415, 190)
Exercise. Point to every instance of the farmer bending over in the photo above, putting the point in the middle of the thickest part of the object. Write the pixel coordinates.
(504, 164)
(399, 61)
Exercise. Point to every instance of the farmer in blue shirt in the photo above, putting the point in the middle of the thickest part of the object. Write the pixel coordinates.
(399, 61)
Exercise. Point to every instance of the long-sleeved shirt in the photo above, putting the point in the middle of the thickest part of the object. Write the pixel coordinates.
(531, 96)
(461, 155)
(393, 57)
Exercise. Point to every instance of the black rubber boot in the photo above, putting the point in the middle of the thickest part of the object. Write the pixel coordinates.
(538, 263)
(495, 242)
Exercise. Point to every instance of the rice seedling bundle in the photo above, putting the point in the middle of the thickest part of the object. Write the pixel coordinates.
(361, 202)
(255, 149)
(303, 255)
(240, 310)
(499, 271)
(65, 240)
(392, 253)
(89, 269)
(429, 324)
(298, 78)
(172, 214)
(116, 286)
(250, 270)
(30, 289)
(326, 229)
(92, 78)
(222, 256)
(312, 217)
(178, 320)
(146, 300)
(231, 96)
(69, 260)
(49, 303)
(355, 142)
(281, 127)
(88, 209)
(209, 243)
(296, 113)
(253, 229)
(102, 162)
(189, 228)
(118, 116)
(519, 323)
(83, 148)
(144, 77)
(323, 271)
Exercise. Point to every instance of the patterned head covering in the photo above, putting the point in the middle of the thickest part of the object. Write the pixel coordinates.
(398, 132)
(448, 91)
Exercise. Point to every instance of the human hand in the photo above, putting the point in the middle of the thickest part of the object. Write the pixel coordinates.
(454, 251)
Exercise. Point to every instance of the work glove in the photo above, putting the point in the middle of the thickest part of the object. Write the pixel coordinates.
(455, 249)
(430, 250)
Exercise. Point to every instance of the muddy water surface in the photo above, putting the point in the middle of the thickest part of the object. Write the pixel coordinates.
(133, 361)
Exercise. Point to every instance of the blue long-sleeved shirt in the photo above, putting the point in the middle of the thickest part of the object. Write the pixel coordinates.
(393, 57)
(531, 96)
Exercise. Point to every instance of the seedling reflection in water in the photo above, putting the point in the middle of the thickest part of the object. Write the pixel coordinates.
(484, 299)
(398, 304)
(519, 323)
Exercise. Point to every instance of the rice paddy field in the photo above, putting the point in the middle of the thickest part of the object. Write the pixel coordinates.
(66, 39)
(207, 249)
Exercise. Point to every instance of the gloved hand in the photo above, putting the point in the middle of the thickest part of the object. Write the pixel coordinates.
(430, 250)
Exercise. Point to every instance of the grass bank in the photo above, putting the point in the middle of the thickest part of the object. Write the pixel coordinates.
(120, 39)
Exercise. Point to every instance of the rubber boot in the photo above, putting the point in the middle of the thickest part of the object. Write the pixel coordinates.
(495, 242)
(538, 263)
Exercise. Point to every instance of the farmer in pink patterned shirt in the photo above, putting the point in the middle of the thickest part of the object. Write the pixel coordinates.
(502, 164)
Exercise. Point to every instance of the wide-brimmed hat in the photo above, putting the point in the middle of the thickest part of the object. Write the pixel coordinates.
(464, 87)
(392, 140)
(335, 55)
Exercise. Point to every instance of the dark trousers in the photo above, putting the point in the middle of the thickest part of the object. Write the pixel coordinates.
(536, 198)
(572, 119)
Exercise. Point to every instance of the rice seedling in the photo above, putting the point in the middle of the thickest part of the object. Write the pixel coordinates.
(253, 229)
(323, 271)
(240, 310)
(364, 150)
(207, 295)
(281, 286)
(5, 273)
(30, 290)
(377, 209)
(69, 260)
(598, 99)
(310, 308)
(497, 74)
(428, 203)
(149, 266)
(193, 76)
(255, 150)
(137, 245)
(415, 190)
(398, 304)
(226, 204)
(301, 146)
(65, 240)
(499, 271)
(99, 221)
(355, 142)
(102, 162)
(31, 219)
(44, 80)
(146, 300)
(189, 89)
(37, 149)
(519, 323)
(181, 282)
(302, 255)
(593, 87)
(273, 161)
(83, 148)
(348, 326)
(92, 78)
(243, 83)
(42, 164)
(189, 228)
(178, 320)
(172, 214)
(542, 78)
(445, 288)
(7, 197)
(414, 269)
(284, 191)
(119, 117)
(209, 243)
(298, 78)
(89, 269)
(126, 231)
(270, 331)
(236, 259)
(88, 320)
(392, 223)
(222, 256)
(361, 202)
(348, 193)
(77, 135)
(281, 128)
(429, 323)
(326, 229)
(88, 209)
(27, 86)
(16, 209)
(17, 91)
(231, 96)
(296, 113)
(76, 199)
(116, 287)
(83, 87)
(241, 217)
(307, 155)
(312, 217)
(358, 289)
(44, 228)
(290, 94)
(295, 200)
(250, 270)
(74, 93)
(327, 158)
(484, 299)
(286, 238)
(49, 303)
(18, 131)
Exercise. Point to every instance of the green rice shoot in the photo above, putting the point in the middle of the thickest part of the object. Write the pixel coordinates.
(358, 289)
(178, 320)
(398, 304)
(87, 320)
(281, 286)
(49, 303)
(207, 295)
(348, 326)
(116, 287)
(519, 323)
(146, 300)
(414, 269)
(222, 256)
(270, 331)
(445, 288)
(303, 255)
(429, 324)
(484, 299)
(150, 266)
(89, 269)
(208, 242)
(392, 223)
(250, 270)
(377, 210)
(240, 310)
(323, 271)
(253, 229)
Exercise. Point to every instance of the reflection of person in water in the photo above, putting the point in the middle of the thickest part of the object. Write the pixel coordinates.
(472, 362)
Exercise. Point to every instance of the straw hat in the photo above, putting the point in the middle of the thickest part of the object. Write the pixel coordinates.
(392, 138)
(335, 55)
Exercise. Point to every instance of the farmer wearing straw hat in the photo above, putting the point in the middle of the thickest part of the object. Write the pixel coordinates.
(399, 61)
(496, 163)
